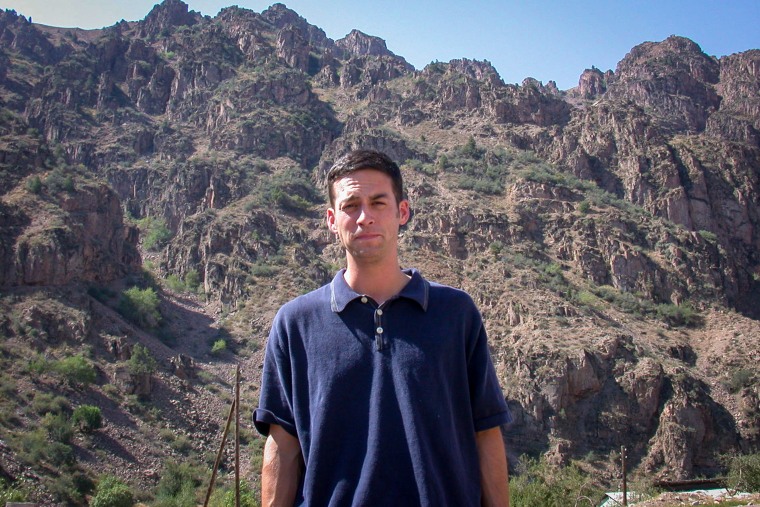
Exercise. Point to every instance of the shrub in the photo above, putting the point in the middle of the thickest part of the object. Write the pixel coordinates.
(548, 486)
(744, 473)
(57, 181)
(60, 454)
(58, 427)
(174, 283)
(88, 418)
(585, 298)
(36, 447)
(496, 247)
(140, 306)
(225, 497)
(192, 280)
(155, 233)
(112, 492)
(675, 315)
(263, 270)
(141, 362)
(740, 379)
(46, 403)
(218, 347)
(177, 486)
(709, 236)
(76, 370)
(34, 185)
(38, 364)
(11, 493)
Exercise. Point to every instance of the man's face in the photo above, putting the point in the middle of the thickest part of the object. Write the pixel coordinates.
(366, 216)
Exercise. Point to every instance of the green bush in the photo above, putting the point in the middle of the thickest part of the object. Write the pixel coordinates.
(58, 427)
(11, 493)
(88, 418)
(142, 361)
(744, 473)
(46, 403)
(155, 233)
(675, 315)
(290, 191)
(496, 247)
(174, 283)
(140, 306)
(218, 347)
(177, 486)
(38, 364)
(60, 454)
(542, 484)
(58, 181)
(35, 447)
(34, 185)
(225, 497)
(112, 492)
(76, 370)
(192, 280)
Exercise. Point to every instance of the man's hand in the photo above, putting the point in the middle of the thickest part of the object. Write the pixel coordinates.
(281, 469)
(494, 474)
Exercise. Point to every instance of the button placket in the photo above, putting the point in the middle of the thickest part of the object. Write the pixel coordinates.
(379, 336)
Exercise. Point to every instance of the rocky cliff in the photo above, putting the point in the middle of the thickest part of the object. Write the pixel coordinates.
(609, 232)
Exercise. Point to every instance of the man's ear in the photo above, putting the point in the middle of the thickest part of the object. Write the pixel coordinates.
(330, 219)
(403, 212)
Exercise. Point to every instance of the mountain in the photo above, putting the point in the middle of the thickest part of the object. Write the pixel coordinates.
(162, 190)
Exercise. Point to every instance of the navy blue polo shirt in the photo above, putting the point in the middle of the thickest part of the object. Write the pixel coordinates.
(385, 400)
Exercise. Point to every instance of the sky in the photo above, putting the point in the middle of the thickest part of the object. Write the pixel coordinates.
(543, 39)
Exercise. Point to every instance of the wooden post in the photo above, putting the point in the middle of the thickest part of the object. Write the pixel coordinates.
(625, 476)
(219, 454)
(234, 410)
(237, 436)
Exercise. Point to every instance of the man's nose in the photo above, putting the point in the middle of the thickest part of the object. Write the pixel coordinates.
(365, 216)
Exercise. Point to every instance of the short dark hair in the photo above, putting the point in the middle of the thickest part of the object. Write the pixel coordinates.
(365, 159)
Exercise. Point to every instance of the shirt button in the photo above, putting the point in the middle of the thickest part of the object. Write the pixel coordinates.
(364, 299)
(379, 311)
(379, 330)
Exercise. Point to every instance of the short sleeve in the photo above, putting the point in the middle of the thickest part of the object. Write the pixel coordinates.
(489, 408)
(276, 398)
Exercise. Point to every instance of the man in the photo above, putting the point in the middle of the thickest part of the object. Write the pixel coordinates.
(378, 388)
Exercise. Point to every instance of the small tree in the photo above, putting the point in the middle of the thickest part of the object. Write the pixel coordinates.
(88, 418)
(141, 362)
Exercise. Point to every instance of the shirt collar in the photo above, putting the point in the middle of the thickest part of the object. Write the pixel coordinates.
(341, 294)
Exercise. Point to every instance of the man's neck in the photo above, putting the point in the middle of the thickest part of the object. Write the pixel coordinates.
(378, 282)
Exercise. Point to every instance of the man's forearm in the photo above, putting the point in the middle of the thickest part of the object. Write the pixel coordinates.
(280, 472)
(494, 474)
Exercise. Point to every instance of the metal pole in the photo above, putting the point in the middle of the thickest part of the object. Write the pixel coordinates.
(237, 437)
(625, 478)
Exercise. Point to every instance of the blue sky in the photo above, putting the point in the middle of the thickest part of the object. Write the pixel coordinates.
(546, 40)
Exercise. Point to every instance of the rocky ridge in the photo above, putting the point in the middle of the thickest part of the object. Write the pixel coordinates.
(609, 233)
